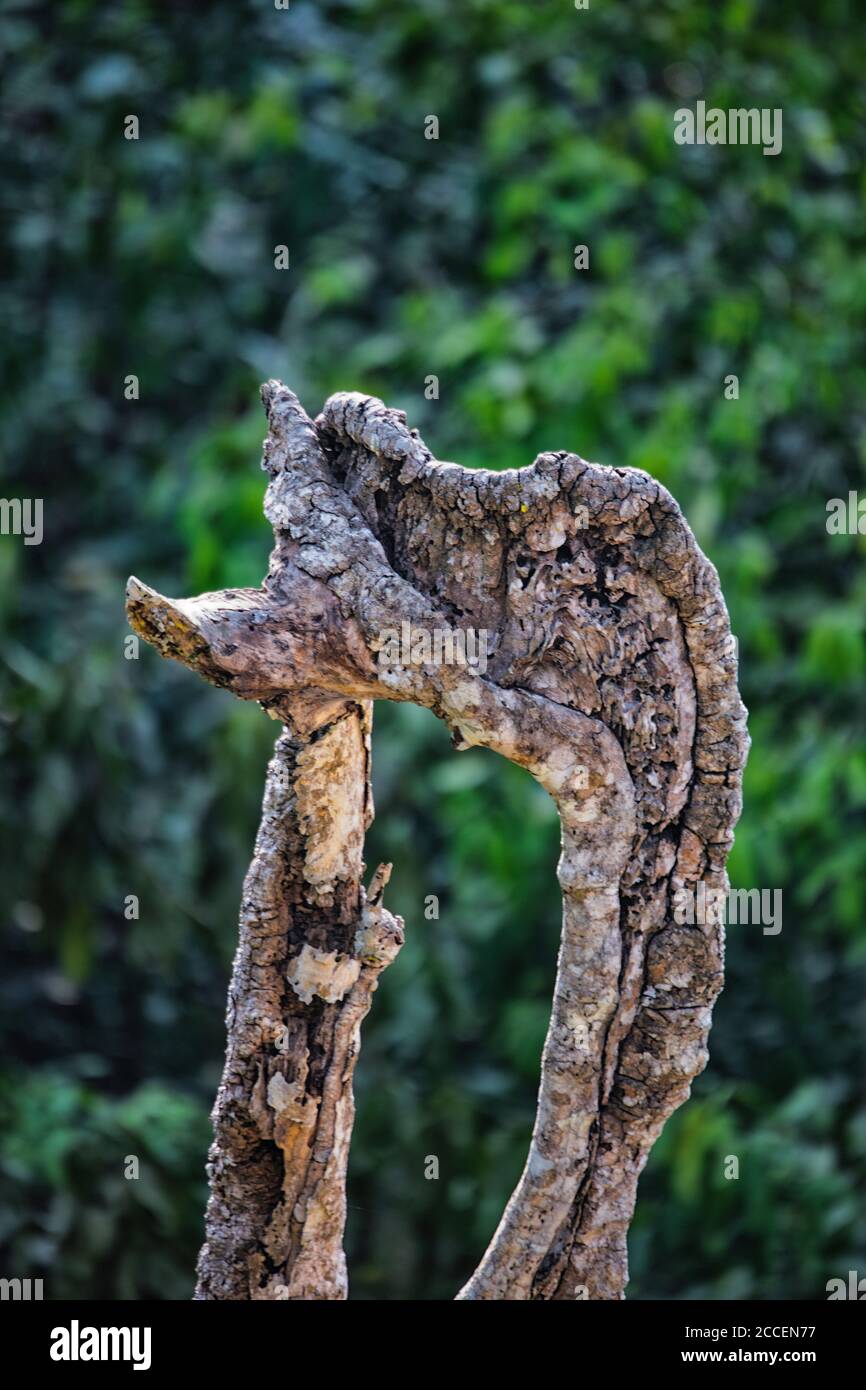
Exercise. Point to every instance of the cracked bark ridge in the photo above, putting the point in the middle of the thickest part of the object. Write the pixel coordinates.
(611, 677)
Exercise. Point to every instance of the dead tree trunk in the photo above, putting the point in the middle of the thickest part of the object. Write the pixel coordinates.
(611, 678)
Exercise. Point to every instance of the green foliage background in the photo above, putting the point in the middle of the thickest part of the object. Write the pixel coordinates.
(410, 257)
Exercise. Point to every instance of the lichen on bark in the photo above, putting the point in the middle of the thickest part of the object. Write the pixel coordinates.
(611, 677)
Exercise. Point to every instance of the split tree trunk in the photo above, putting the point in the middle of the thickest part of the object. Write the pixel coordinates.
(611, 678)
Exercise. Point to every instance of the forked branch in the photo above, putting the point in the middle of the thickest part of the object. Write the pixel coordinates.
(611, 677)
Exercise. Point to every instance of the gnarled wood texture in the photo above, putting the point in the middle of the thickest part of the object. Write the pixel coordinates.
(611, 677)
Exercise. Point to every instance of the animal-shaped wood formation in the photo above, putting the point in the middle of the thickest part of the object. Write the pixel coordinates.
(608, 672)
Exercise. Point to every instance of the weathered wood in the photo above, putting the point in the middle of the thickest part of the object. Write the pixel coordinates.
(611, 677)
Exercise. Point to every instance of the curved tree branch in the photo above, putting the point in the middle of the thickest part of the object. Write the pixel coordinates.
(611, 678)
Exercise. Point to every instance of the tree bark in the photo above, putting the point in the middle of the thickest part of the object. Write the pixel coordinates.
(312, 944)
(612, 679)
